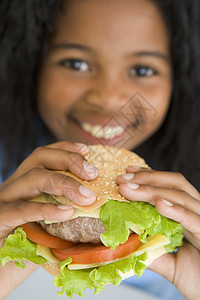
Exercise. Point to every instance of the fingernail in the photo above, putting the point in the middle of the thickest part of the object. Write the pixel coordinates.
(90, 168)
(132, 186)
(128, 176)
(85, 191)
(136, 167)
(167, 203)
(83, 148)
(131, 169)
(64, 207)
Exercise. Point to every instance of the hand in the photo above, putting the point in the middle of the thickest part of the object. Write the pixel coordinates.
(35, 176)
(175, 198)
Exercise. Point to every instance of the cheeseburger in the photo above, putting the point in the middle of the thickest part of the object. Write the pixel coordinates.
(105, 242)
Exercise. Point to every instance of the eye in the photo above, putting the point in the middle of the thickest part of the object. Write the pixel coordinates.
(142, 71)
(75, 64)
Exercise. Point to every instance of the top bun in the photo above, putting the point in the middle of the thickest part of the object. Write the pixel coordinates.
(110, 162)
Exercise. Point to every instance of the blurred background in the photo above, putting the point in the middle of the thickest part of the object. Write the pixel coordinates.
(40, 285)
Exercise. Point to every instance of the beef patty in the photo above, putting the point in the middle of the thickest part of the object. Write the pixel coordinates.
(78, 230)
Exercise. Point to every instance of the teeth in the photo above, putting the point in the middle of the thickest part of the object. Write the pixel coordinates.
(108, 132)
(96, 130)
(86, 126)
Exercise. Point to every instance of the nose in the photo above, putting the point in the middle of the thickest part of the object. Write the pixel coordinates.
(109, 92)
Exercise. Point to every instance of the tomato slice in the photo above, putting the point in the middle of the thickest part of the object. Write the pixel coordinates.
(90, 253)
(38, 235)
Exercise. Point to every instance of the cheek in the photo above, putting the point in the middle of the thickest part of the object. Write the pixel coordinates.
(56, 95)
(157, 102)
(163, 99)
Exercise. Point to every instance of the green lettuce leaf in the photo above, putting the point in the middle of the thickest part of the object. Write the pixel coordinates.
(117, 217)
(76, 281)
(18, 248)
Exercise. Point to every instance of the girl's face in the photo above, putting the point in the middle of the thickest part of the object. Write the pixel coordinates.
(107, 75)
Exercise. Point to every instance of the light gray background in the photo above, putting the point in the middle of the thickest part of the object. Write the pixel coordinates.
(40, 286)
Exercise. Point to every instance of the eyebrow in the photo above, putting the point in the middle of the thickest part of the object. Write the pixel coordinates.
(65, 46)
(153, 54)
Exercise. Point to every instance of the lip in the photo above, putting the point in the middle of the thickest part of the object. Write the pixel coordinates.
(89, 139)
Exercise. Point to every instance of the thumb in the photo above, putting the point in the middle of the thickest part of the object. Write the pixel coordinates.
(16, 214)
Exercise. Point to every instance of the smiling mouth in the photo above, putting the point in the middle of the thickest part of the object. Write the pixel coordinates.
(107, 132)
(101, 131)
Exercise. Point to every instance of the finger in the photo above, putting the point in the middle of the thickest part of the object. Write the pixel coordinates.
(69, 146)
(193, 239)
(171, 180)
(56, 159)
(131, 169)
(188, 219)
(15, 214)
(38, 181)
(82, 149)
(150, 194)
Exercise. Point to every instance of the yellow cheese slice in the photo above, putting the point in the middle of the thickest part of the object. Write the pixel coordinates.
(46, 253)
(79, 213)
(153, 243)
(136, 229)
(45, 198)
(85, 266)
(152, 255)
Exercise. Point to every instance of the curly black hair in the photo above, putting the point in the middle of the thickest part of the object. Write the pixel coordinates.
(25, 29)
(176, 146)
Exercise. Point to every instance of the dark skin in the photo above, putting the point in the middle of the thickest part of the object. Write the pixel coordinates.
(183, 205)
(107, 74)
(31, 178)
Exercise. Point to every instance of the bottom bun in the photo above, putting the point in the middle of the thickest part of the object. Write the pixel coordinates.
(54, 269)
(51, 268)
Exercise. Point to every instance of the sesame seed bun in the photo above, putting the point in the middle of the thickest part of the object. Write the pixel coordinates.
(110, 162)
(51, 268)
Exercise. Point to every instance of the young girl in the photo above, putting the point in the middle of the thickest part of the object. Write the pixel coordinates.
(121, 73)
